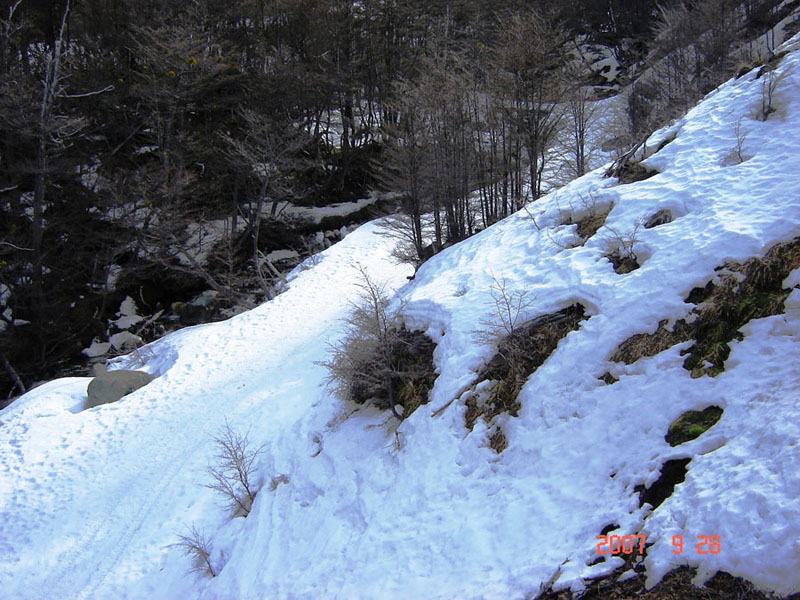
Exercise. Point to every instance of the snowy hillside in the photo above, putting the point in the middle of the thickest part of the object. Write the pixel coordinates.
(92, 501)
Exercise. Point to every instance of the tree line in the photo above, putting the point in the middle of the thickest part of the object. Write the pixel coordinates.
(125, 123)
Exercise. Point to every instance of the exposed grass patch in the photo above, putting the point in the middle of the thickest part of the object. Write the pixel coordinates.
(498, 441)
(519, 354)
(629, 170)
(676, 585)
(741, 292)
(746, 291)
(649, 344)
(591, 223)
(589, 217)
(692, 424)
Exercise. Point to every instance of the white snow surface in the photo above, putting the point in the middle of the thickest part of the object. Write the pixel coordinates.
(91, 502)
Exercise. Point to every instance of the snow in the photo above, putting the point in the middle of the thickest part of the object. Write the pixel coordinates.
(128, 315)
(315, 214)
(92, 502)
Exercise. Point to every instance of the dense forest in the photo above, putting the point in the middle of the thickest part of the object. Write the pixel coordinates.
(129, 124)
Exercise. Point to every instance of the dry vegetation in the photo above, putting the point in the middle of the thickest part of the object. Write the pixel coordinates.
(379, 361)
(589, 217)
(519, 354)
(676, 585)
(739, 293)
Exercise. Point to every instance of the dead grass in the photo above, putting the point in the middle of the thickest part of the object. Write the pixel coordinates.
(590, 216)
(676, 585)
(650, 344)
(498, 441)
(519, 355)
(740, 293)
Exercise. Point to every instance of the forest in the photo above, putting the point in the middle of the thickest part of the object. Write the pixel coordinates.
(130, 129)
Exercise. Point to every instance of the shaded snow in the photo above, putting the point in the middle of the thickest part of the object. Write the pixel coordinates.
(91, 501)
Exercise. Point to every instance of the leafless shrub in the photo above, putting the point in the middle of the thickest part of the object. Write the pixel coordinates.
(198, 546)
(379, 361)
(509, 308)
(622, 249)
(740, 137)
(769, 84)
(233, 470)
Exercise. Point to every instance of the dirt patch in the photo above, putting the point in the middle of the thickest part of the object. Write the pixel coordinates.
(673, 472)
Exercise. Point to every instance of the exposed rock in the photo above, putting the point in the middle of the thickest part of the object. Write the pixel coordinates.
(110, 386)
(662, 217)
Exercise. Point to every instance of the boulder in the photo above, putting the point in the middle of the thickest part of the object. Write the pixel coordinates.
(110, 386)
(662, 217)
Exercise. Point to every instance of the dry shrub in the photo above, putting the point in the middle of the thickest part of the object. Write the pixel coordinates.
(379, 361)
(233, 470)
(622, 248)
(196, 545)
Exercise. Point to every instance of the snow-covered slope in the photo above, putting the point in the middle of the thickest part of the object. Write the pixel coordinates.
(92, 501)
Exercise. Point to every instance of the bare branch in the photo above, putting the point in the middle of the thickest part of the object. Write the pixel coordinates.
(197, 545)
(234, 469)
(108, 88)
(2, 243)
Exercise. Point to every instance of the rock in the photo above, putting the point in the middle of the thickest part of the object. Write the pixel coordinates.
(662, 217)
(110, 386)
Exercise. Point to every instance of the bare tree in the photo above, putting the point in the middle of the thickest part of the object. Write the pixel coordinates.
(270, 149)
(8, 28)
(530, 58)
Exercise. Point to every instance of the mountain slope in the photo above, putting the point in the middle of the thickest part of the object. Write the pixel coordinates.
(90, 501)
